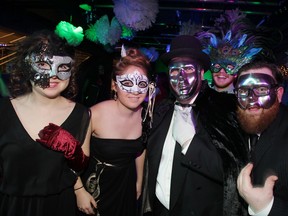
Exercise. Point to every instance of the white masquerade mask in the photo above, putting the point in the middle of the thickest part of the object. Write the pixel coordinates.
(133, 82)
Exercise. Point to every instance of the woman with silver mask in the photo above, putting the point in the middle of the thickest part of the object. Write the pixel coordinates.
(44, 133)
(45, 59)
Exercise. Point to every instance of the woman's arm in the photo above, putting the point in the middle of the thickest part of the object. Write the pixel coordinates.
(85, 201)
(86, 145)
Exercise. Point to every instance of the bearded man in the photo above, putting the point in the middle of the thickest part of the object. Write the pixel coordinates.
(259, 91)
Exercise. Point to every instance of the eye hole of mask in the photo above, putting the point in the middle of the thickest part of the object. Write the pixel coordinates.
(229, 69)
(142, 84)
(43, 65)
(64, 67)
(188, 69)
(127, 83)
(258, 91)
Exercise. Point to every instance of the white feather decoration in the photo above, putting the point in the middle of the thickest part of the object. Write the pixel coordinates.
(123, 51)
(102, 32)
(115, 31)
(189, 28)
(102, 29)
(136, 14)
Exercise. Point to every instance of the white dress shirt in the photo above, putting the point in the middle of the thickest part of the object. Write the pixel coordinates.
(263, 212)
(163, 182)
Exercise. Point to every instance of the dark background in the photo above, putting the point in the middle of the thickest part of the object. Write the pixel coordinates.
(22, 17)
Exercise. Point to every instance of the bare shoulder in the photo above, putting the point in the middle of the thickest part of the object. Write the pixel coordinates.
(101, 116)
(102, 108)
(102, 105)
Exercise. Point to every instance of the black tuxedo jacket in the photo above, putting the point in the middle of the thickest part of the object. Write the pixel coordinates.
(270, 157)
(196, 189)
(204, 179)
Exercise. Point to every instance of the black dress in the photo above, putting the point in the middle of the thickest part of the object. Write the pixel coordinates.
(111, 175)
(34, 180)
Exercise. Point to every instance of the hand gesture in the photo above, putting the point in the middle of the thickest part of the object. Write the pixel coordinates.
(85, 202)
(257, 197)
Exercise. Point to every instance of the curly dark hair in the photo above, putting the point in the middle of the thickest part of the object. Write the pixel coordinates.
(20, 75)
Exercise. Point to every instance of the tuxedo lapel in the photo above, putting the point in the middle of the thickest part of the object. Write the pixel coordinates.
(267, 138)
(263, 144)
(155, 147)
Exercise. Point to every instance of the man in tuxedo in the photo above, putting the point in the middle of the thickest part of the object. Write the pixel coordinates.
(195, 148)
(263, 183)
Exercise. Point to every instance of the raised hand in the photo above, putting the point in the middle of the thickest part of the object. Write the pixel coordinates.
(257, 197)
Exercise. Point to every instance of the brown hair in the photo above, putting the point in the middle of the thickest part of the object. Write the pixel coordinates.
(20, 75)
(133, 57)
(276, 73)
